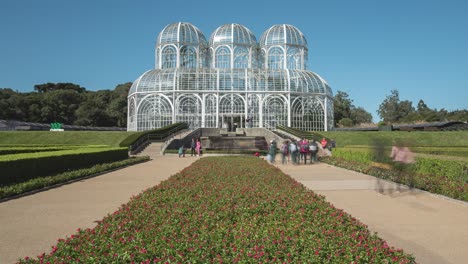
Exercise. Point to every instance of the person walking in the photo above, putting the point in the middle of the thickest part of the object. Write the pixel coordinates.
(304, 149)
(293, 151)
(192, 147)
(284, 152)
(198, 147)
(272, 151)
(313, 147)
(181, 151)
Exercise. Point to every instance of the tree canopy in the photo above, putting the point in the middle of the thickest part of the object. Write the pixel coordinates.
(393, 110)
(346, 114)
(66, 103)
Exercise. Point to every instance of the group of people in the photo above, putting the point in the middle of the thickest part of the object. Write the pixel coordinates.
(296, 151)
(195, 148)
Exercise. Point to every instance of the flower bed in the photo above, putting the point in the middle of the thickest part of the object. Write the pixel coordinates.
(231, 210)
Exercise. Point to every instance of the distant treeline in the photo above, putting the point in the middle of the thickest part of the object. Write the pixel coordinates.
(391, 111)
(66, 103)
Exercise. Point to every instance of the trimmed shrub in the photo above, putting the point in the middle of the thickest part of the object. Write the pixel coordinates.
(22, 167)
(43, 182)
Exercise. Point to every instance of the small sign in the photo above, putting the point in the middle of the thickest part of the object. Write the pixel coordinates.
(56, 127)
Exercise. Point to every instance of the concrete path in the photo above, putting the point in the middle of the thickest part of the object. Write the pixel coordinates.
(32, 224)
(433, 228)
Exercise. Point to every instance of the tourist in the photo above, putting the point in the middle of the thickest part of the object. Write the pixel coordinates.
(284, 152)
(293, 151)
(192, 147)
(181, 151)
(198, 147)
(304, 150)
(332, 144)
(324, 143)
(313, 147)
(272, 151)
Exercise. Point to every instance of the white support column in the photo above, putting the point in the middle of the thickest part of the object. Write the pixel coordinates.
(325, 115)
(260, 115)
(289, 109)
(203, 110)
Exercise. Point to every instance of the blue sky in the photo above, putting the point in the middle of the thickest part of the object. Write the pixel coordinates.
(364, 48)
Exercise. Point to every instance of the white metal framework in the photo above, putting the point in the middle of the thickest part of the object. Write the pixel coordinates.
(231, 80)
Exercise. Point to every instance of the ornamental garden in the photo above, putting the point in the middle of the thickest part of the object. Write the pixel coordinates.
(226, 209)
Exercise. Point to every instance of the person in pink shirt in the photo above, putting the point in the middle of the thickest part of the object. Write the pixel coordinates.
(198, 147)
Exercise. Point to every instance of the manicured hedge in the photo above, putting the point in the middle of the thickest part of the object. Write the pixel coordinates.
(22, 167)
(43, 182)
(226, 210)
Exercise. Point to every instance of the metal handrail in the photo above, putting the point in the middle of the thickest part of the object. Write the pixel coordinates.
(154, 137)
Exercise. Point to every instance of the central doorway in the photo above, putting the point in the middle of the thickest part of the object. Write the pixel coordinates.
(232, 121)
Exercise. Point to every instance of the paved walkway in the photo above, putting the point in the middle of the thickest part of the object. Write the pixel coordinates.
(434, 229)
(32, 224)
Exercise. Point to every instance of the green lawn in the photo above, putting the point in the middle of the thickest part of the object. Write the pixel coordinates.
(110, 138)
(415, 138)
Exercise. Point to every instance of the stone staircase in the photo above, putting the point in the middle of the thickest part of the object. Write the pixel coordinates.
(153, 150)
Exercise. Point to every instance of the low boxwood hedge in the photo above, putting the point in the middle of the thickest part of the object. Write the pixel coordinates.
(22, 167)
(44, 182)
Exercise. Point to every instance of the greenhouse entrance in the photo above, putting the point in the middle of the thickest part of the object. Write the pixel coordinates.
(232, 121)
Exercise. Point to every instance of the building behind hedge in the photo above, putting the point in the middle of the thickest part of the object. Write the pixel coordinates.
(230, 79)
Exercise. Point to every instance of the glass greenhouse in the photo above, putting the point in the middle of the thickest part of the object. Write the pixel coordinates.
(230, 79)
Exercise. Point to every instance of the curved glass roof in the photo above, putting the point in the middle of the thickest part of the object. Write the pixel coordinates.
(260, 80)
(283, 34)
(182, 33)
(232, 34)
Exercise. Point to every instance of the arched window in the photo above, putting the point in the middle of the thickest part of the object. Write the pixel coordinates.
(294, 59)
(188, 110)
(169, 57)
(275, 58)
(241, 58)
(223, 58)
(188, 57)
(307, 114)
(154, 112)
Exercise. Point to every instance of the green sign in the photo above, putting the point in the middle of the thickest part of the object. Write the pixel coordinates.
(55, 125)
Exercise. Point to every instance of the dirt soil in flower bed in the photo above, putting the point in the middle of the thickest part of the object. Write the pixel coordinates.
(227, 209)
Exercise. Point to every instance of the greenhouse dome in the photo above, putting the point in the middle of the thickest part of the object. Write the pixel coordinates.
(233, 46)
(215, 88)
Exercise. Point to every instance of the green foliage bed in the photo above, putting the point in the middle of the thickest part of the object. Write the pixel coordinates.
(437, 174)
(226, 210)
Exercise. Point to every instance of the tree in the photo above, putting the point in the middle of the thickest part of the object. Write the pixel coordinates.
(392, 110)
(346, 122)
(342, 105)
(49, 87)
(359, 115)
(60, 106)
(344, 108)
(117, 108)
(92, 111)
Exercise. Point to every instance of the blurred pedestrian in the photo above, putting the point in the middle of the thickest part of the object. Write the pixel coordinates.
(193, 144)
(198, 147)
